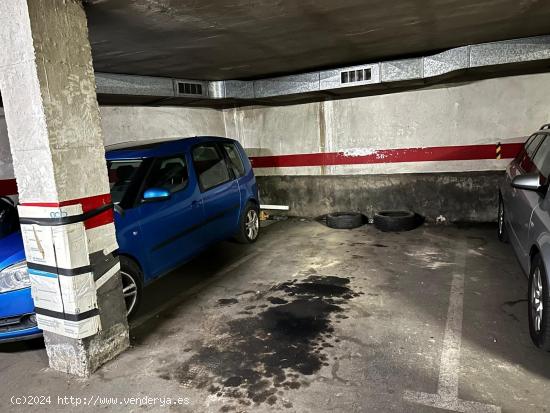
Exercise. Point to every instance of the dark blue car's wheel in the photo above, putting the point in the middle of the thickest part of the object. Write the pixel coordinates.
(132, 284)
(249, 228)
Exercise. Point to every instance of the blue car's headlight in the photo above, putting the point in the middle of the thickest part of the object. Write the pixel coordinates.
(14, 277)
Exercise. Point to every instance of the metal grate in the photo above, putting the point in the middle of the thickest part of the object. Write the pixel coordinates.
(359, 75)
(185, 88)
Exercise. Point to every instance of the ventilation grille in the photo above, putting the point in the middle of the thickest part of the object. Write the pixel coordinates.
(188, 88)
(359, 75)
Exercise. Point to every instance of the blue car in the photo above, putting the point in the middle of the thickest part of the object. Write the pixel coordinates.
(172, 200)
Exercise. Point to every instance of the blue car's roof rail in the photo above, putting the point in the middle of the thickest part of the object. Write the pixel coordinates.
(155, 148)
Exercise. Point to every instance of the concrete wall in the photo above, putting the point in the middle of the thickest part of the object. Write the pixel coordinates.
(128, 123)
(265, 131)
(6, 166)
(462, 117)
(131, 123)
(455, 196)
(482, 112)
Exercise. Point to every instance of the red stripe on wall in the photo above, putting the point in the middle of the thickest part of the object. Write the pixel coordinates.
(435, 153)
(88, 204)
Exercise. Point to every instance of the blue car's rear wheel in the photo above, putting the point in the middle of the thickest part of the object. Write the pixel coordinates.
(132, 285)
(249, 226)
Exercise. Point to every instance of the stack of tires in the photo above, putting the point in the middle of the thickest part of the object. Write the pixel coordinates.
(396, 221)
(387, 221)
(345, 220)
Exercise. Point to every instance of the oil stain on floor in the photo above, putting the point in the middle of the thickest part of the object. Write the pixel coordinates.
(272, 351)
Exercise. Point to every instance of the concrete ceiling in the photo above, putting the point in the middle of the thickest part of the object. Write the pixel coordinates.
(242, 39)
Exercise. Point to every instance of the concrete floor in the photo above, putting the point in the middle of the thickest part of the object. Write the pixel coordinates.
(313, 319)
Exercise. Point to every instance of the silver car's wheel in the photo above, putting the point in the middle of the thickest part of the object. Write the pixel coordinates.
(502, 232)
(538, 304)
(536, 301)
(500, 220)
(130, 291)
(252, 224)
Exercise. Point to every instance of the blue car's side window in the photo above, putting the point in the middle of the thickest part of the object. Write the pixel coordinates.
(210, 166)
(234, 159)
(121, 175)
(168, 173)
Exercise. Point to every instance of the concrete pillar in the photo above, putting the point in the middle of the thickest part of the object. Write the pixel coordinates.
(48, 90)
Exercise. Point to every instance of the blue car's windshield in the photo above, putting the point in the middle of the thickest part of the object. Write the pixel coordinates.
(121, 174)
(9, 219)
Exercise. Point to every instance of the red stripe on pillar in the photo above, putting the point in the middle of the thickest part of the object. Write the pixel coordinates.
(436, 153)
(88, 204)
(91, 203)
(8, 187)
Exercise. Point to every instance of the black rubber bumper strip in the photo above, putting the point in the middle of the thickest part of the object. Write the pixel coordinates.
(72, 219)
(61, 271)
(64, 316)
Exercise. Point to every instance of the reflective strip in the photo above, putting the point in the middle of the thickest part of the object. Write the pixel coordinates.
(74, 329)
(95, 210)
(41, 273)
(107, 275)
(68, 219)
(57, 270)
(64, 316)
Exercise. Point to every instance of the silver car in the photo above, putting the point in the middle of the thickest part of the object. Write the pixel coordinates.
(524, 221)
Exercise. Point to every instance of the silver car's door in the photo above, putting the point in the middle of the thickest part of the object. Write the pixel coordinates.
(522, 202)
(540, 220)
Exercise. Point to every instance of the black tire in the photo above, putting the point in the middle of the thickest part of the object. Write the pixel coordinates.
(539, 327)
(344, 220)
(130, 271)
(395, 221)
(502, 232)
(249, 231)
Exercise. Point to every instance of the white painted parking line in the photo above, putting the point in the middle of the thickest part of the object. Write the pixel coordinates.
(449, 368)
(175, 300)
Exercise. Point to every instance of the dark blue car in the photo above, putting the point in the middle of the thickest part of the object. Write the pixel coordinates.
(173, 199)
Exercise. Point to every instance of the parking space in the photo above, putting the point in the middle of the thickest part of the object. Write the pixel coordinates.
(294, 206)
(313, 319)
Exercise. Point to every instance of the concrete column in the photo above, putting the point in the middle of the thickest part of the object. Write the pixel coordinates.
(48, 90)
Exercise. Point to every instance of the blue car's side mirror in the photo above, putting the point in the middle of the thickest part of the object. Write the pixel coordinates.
(156, 194)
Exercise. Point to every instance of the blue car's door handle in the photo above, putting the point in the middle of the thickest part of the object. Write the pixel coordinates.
(195, 204)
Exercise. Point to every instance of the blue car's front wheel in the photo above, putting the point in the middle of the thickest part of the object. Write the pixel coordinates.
(132, 284)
